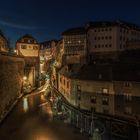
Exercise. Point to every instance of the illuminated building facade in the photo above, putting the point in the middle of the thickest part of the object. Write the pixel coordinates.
(102, 88)
(47, 52)
(110, 38)
(28, 47)
(74, 44)
(4, 45)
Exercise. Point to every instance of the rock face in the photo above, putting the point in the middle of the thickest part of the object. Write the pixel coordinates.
(11, 75)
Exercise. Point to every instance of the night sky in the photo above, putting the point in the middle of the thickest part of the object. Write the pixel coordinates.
(47, 19)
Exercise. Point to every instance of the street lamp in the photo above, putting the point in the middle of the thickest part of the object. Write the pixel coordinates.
(24, 78)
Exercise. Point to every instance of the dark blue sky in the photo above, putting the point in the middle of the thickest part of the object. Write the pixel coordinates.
(47, 19)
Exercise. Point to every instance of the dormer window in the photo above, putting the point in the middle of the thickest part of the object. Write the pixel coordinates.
(100, 76)
(127, 84)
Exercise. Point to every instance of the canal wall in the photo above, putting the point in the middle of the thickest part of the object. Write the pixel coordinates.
(11, 75)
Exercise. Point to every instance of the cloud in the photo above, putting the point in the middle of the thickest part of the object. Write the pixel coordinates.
(19, 26)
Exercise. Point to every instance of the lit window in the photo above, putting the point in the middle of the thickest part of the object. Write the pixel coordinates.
(105, 101)
(128, 96)
(105, 90)
(78, 88)
(35, 47)
(23, 46)
(93, 99)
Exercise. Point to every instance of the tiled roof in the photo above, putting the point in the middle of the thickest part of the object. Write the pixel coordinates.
(2, 34)
(75, 31)
(105, 72)
(112, 23)
(27, 36)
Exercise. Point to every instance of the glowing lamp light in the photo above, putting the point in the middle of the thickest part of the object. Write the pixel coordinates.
(24, 78)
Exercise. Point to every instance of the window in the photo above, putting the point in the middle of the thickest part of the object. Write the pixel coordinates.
(67, 84)
(79, 96)
(102, 37)
(128, 110)
(105, 111)
(93, 99)
(105, 90)
(95, 38)
(26, 40)
(127, 84)
(106, 45)
(78, 88)
(93, 109)
(120, 37)
(124, 31)
(110, 37)
(110, 45)
(98, 38)
(60, 80)
(106, 37)
(35, 47)
(128, 96)
(105, 101)
(23, 47)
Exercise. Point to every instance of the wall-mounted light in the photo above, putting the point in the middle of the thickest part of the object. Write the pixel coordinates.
(24, 78)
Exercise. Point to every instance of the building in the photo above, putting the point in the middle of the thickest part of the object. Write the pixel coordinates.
(107, 39)
(111, 89)
(28, 47)
(133, 45)
(4, 44)
(87, 87)
(74, 44)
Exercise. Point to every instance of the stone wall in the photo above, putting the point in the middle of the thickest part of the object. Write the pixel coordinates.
(11, 75)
